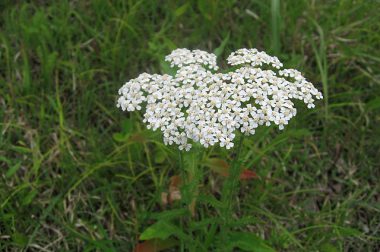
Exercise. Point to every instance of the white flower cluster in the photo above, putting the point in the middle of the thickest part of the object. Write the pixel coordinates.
(201, 106)
(183, 57)
(253, 57)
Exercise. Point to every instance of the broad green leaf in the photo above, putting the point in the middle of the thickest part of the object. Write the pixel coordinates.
(159, 156)
(347, 231)
(155, 245)
(373, 104)
(327, 247)
(119, 137)
(181, 10)
(161, 230)
(126, 131)
(19, 239)
(248, 242)
(13, 170)
(29, 197)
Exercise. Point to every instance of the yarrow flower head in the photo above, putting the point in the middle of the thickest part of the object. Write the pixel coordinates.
(198, 104)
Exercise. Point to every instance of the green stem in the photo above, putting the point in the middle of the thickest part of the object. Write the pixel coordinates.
(154, 177)
(191, 175)
(181, 168)
(230, 188)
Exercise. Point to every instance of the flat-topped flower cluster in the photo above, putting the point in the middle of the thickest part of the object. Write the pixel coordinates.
(199, 105)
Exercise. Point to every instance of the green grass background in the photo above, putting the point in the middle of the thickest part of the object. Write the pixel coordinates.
(77, 174)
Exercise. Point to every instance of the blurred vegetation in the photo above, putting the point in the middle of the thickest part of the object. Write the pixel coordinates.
(78, 174)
